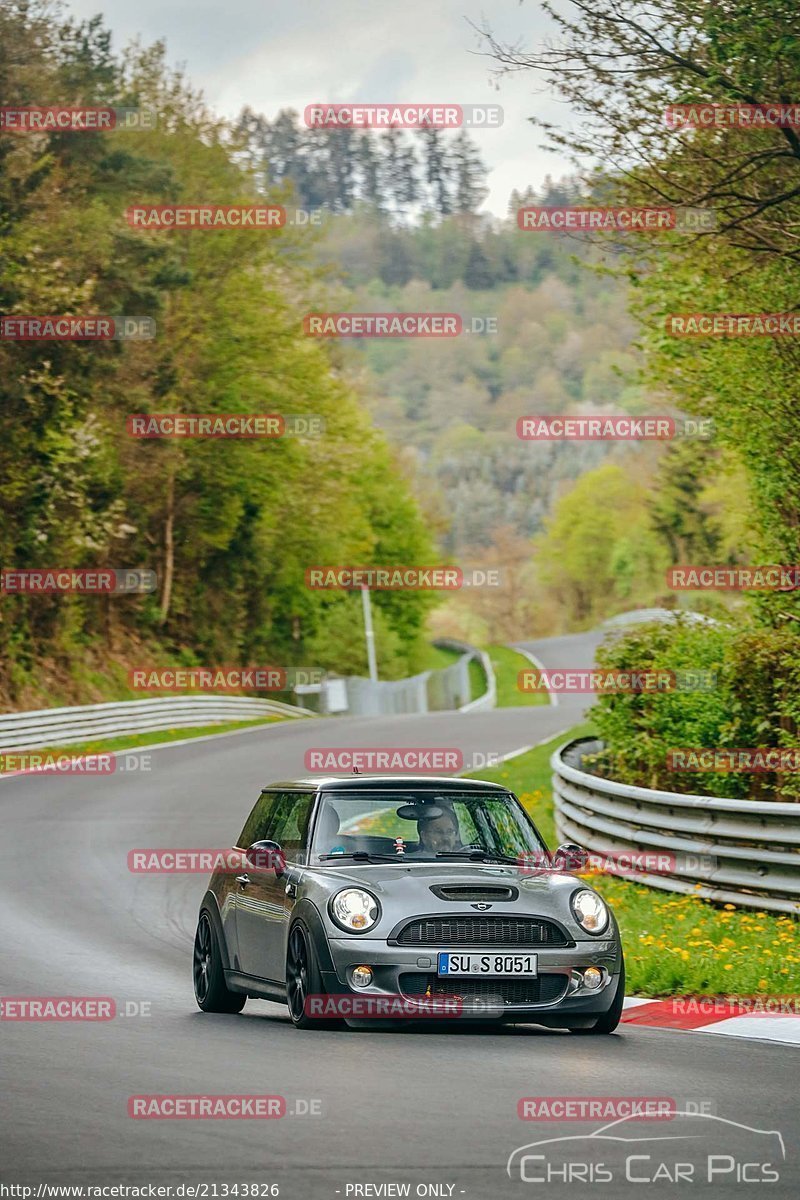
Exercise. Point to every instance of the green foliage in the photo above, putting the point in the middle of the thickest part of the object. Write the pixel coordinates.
(692, 52)
(229, 526)
(599, 552)
(341, 170)
(674, 945)
(751, 701)
(507, 664)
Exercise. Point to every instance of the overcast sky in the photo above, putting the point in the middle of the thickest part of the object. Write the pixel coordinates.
(271, 55)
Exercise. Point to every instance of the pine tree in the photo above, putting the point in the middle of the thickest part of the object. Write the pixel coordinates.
(368, 167)
(437, 170)
(469, 174)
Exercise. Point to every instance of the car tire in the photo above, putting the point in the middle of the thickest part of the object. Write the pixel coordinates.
(304, 979)
(210, 990)
(608, 1021)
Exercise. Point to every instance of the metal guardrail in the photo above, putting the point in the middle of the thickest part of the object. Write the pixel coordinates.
(82, 723)
(489, 697)
(742, 852)
(437, 690)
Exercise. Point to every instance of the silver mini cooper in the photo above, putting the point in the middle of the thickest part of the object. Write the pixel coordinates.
(375, 898)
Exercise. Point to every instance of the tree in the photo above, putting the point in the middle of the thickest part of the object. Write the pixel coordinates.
(437, 169)
(368, 166)
(229, 526)
(621, 65)
(599, 553)
(478, 274)
(469, 174)
(398, 171)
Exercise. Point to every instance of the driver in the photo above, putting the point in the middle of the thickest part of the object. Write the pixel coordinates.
(439, 833)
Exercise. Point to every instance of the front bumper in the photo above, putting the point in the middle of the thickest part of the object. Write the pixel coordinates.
(551, 999)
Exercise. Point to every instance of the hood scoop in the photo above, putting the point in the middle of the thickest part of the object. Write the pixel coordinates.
(464, 893)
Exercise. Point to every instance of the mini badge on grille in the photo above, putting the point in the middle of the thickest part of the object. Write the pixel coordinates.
(481, 907)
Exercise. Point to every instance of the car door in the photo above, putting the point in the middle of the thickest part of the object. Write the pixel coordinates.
(262, 905)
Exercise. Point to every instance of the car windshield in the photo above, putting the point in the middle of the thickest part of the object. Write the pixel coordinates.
(423, 826)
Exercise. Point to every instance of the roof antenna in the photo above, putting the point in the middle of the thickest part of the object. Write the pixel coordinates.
(356, 771)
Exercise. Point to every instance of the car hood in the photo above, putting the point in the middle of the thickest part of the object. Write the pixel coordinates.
(405, 890)
(420, 877)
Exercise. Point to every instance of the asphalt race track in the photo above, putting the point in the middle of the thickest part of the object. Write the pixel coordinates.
(419, 1107)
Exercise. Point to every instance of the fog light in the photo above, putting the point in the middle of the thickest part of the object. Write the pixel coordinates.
(362, 976)
(592, 978)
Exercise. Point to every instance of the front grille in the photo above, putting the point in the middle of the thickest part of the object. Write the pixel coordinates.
(481, 931)
(465, 893)
(545, 989)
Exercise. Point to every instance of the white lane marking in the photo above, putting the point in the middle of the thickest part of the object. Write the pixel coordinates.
(501, 758)
(770, 1027)
(553, 696)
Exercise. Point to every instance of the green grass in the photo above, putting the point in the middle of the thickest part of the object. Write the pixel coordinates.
(674, 945)
(134, 740)
(477, 679)
(434, 658)
(507, 665)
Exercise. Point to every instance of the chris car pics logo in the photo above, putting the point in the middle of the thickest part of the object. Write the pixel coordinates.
(697, 1148)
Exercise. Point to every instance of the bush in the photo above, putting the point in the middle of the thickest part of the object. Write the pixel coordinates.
(754, 702)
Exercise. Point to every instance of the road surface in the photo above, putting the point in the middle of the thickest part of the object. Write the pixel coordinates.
(421, 1108)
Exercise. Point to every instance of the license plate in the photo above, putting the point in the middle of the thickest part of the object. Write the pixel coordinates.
(494, 963)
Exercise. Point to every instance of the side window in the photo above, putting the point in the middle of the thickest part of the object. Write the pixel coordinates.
(288, 821)
(259, 820)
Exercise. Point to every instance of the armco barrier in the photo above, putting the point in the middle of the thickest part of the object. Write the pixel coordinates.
(439, 690)
(83, 723)
(754, 847)
(489, 697)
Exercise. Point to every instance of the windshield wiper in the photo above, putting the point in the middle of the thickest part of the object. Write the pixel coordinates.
(364, 856)
(480, 856)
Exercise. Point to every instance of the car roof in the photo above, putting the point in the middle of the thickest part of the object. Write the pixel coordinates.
(378, 783)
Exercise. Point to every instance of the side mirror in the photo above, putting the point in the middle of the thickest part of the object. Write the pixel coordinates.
(266, 856)
(570, 857)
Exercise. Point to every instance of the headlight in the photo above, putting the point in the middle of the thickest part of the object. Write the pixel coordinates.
(354, 909)
(590, 911)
